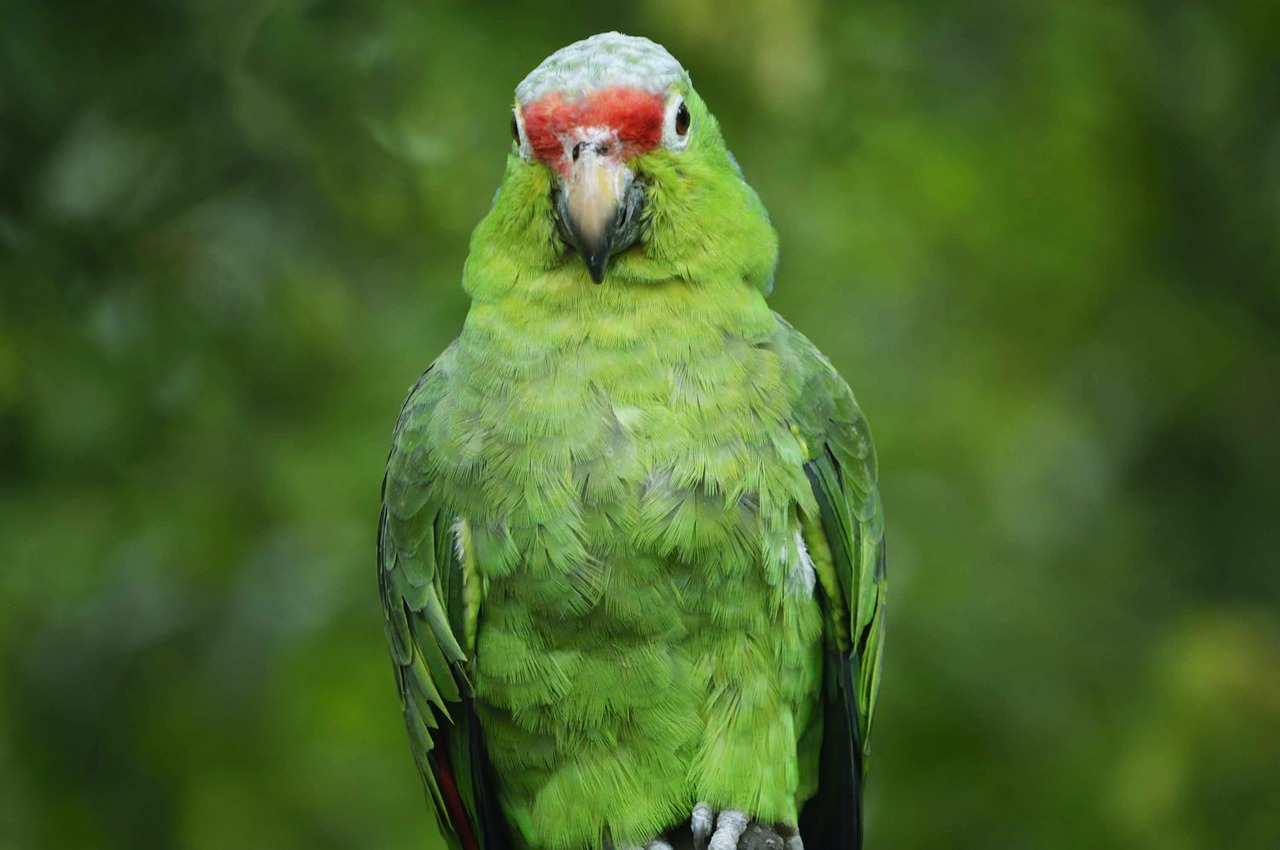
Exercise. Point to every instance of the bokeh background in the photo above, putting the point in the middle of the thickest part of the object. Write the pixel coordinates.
(1041, 241)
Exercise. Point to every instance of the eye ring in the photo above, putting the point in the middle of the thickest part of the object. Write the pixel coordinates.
(676, 124)
(682, 120)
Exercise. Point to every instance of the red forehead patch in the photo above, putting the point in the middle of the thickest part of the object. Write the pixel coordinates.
(635, 116)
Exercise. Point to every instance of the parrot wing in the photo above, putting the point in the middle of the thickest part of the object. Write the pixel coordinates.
(425, 592)
(846, 542)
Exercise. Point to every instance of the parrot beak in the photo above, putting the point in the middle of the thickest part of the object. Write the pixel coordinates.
(599, 206)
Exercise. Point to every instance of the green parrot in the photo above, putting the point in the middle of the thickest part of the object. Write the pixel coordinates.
(631, 548)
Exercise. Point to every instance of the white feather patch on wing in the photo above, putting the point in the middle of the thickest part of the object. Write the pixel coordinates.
(459, 538)
(801, 578)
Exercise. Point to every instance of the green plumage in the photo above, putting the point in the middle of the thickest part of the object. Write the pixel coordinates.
(631, 531)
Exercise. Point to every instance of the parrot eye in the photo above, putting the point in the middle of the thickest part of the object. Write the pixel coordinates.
(675, 125)
(682, 120)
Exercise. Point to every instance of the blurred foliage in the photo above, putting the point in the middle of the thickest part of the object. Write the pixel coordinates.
(1041, 240)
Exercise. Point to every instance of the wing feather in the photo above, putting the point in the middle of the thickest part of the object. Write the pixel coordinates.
(421, 582)
(847, 539)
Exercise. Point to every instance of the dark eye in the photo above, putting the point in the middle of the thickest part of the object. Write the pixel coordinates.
(515, 129)
(682, 120)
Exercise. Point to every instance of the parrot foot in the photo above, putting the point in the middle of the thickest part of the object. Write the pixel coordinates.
(733, 830)
(655, 844)
(729, 826)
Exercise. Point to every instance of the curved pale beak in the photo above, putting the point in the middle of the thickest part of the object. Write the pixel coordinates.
(599, 206)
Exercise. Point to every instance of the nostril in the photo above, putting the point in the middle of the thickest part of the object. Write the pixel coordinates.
(598, 148)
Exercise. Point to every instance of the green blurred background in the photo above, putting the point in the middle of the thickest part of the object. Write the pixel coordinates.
(1041, 241)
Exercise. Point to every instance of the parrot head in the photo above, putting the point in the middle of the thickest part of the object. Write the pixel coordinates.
(618, 169)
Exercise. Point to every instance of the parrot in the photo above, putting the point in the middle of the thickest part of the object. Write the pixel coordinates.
(631, 546)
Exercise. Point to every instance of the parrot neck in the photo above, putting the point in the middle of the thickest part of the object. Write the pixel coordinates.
(562, 310)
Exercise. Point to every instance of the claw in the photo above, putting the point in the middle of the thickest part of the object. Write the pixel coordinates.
(790, 836)
(730, 824)
(701, 823)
